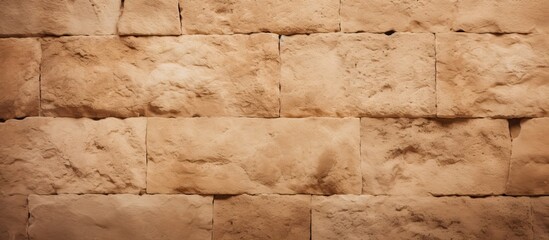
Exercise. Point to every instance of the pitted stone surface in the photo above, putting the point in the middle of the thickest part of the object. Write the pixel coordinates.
(234, 75)
(249, 16)
(484, 75)
(19, 77)
(368, 217)
(61, 155)
(146, 17)
(440, 157)
(13, 217)
(147, 217)
(245, 155)
(262, 217)
(529, 173)
(59, 17)
(540, 215)
(358, 75)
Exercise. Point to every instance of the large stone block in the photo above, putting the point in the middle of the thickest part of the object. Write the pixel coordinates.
(59, 17)
(440, 157)
(358, 75)
(249, 16)
(60, 155)
(540, 215)
(529, 173)
(19, 77)
(146, 17)
(368, 217)
(234, 75)
(485, 75)
(13, 217)
(245, 155)
(262, 217)
(90, 217)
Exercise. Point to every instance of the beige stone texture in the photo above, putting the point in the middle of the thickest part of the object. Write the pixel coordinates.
(245, 155)
(262, 217)
(358, 75)
(146, 17)
(249, 16)
(485, 75)
(147, 217)
(234, 75)
(459, 218)
(440, 157)
(58, 17)
(540, 215)
(397, 15)
(61, 155)
(529, 173)
(19, 77)
(13, 217)
(503, 16)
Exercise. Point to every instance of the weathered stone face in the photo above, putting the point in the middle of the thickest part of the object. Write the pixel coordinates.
(243, 155)
(13, 217)
(529, 173)
(358, 75)
(88, 217)
(248, 16)
(262, 217)
(360, 217)
(421, 156)
(145, 17)
(19, 77)
(59, 17)
(61, 155)
(161, 76)
(483, 75)
(540, 217)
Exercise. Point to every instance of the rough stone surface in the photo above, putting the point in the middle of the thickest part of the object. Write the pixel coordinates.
(13, 217)
(540, 214)
(367, 217)
(90, 217)
(478, 16)
(146, 17)
(243, 155)
(60, 155)
(529, 173)
(234, 75)
(59, 17)
(441, 157)
(358, 75)
(19, 77)
(248, 16)
(484, 75)
(262, 217)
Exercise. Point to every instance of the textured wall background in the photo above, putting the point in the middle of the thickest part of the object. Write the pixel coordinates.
(280, 119)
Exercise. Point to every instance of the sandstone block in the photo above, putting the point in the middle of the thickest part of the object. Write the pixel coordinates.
(147, 217)
(60, 155)
(262, 217)
(529, 173)
(440, 157)
(368, 217)
(245, 155)
(540, 215)
(19, 77)
(146, 17)
(234, 75)
(13, 217)
(399, 15)
(249, 16)
(59, 17)
(484, 75)
(358, 75)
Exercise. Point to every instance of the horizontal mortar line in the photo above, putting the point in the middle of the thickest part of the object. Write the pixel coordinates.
(285, 194)
(251, 33)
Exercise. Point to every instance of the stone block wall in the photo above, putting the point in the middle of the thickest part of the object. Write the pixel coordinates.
(275, 119)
